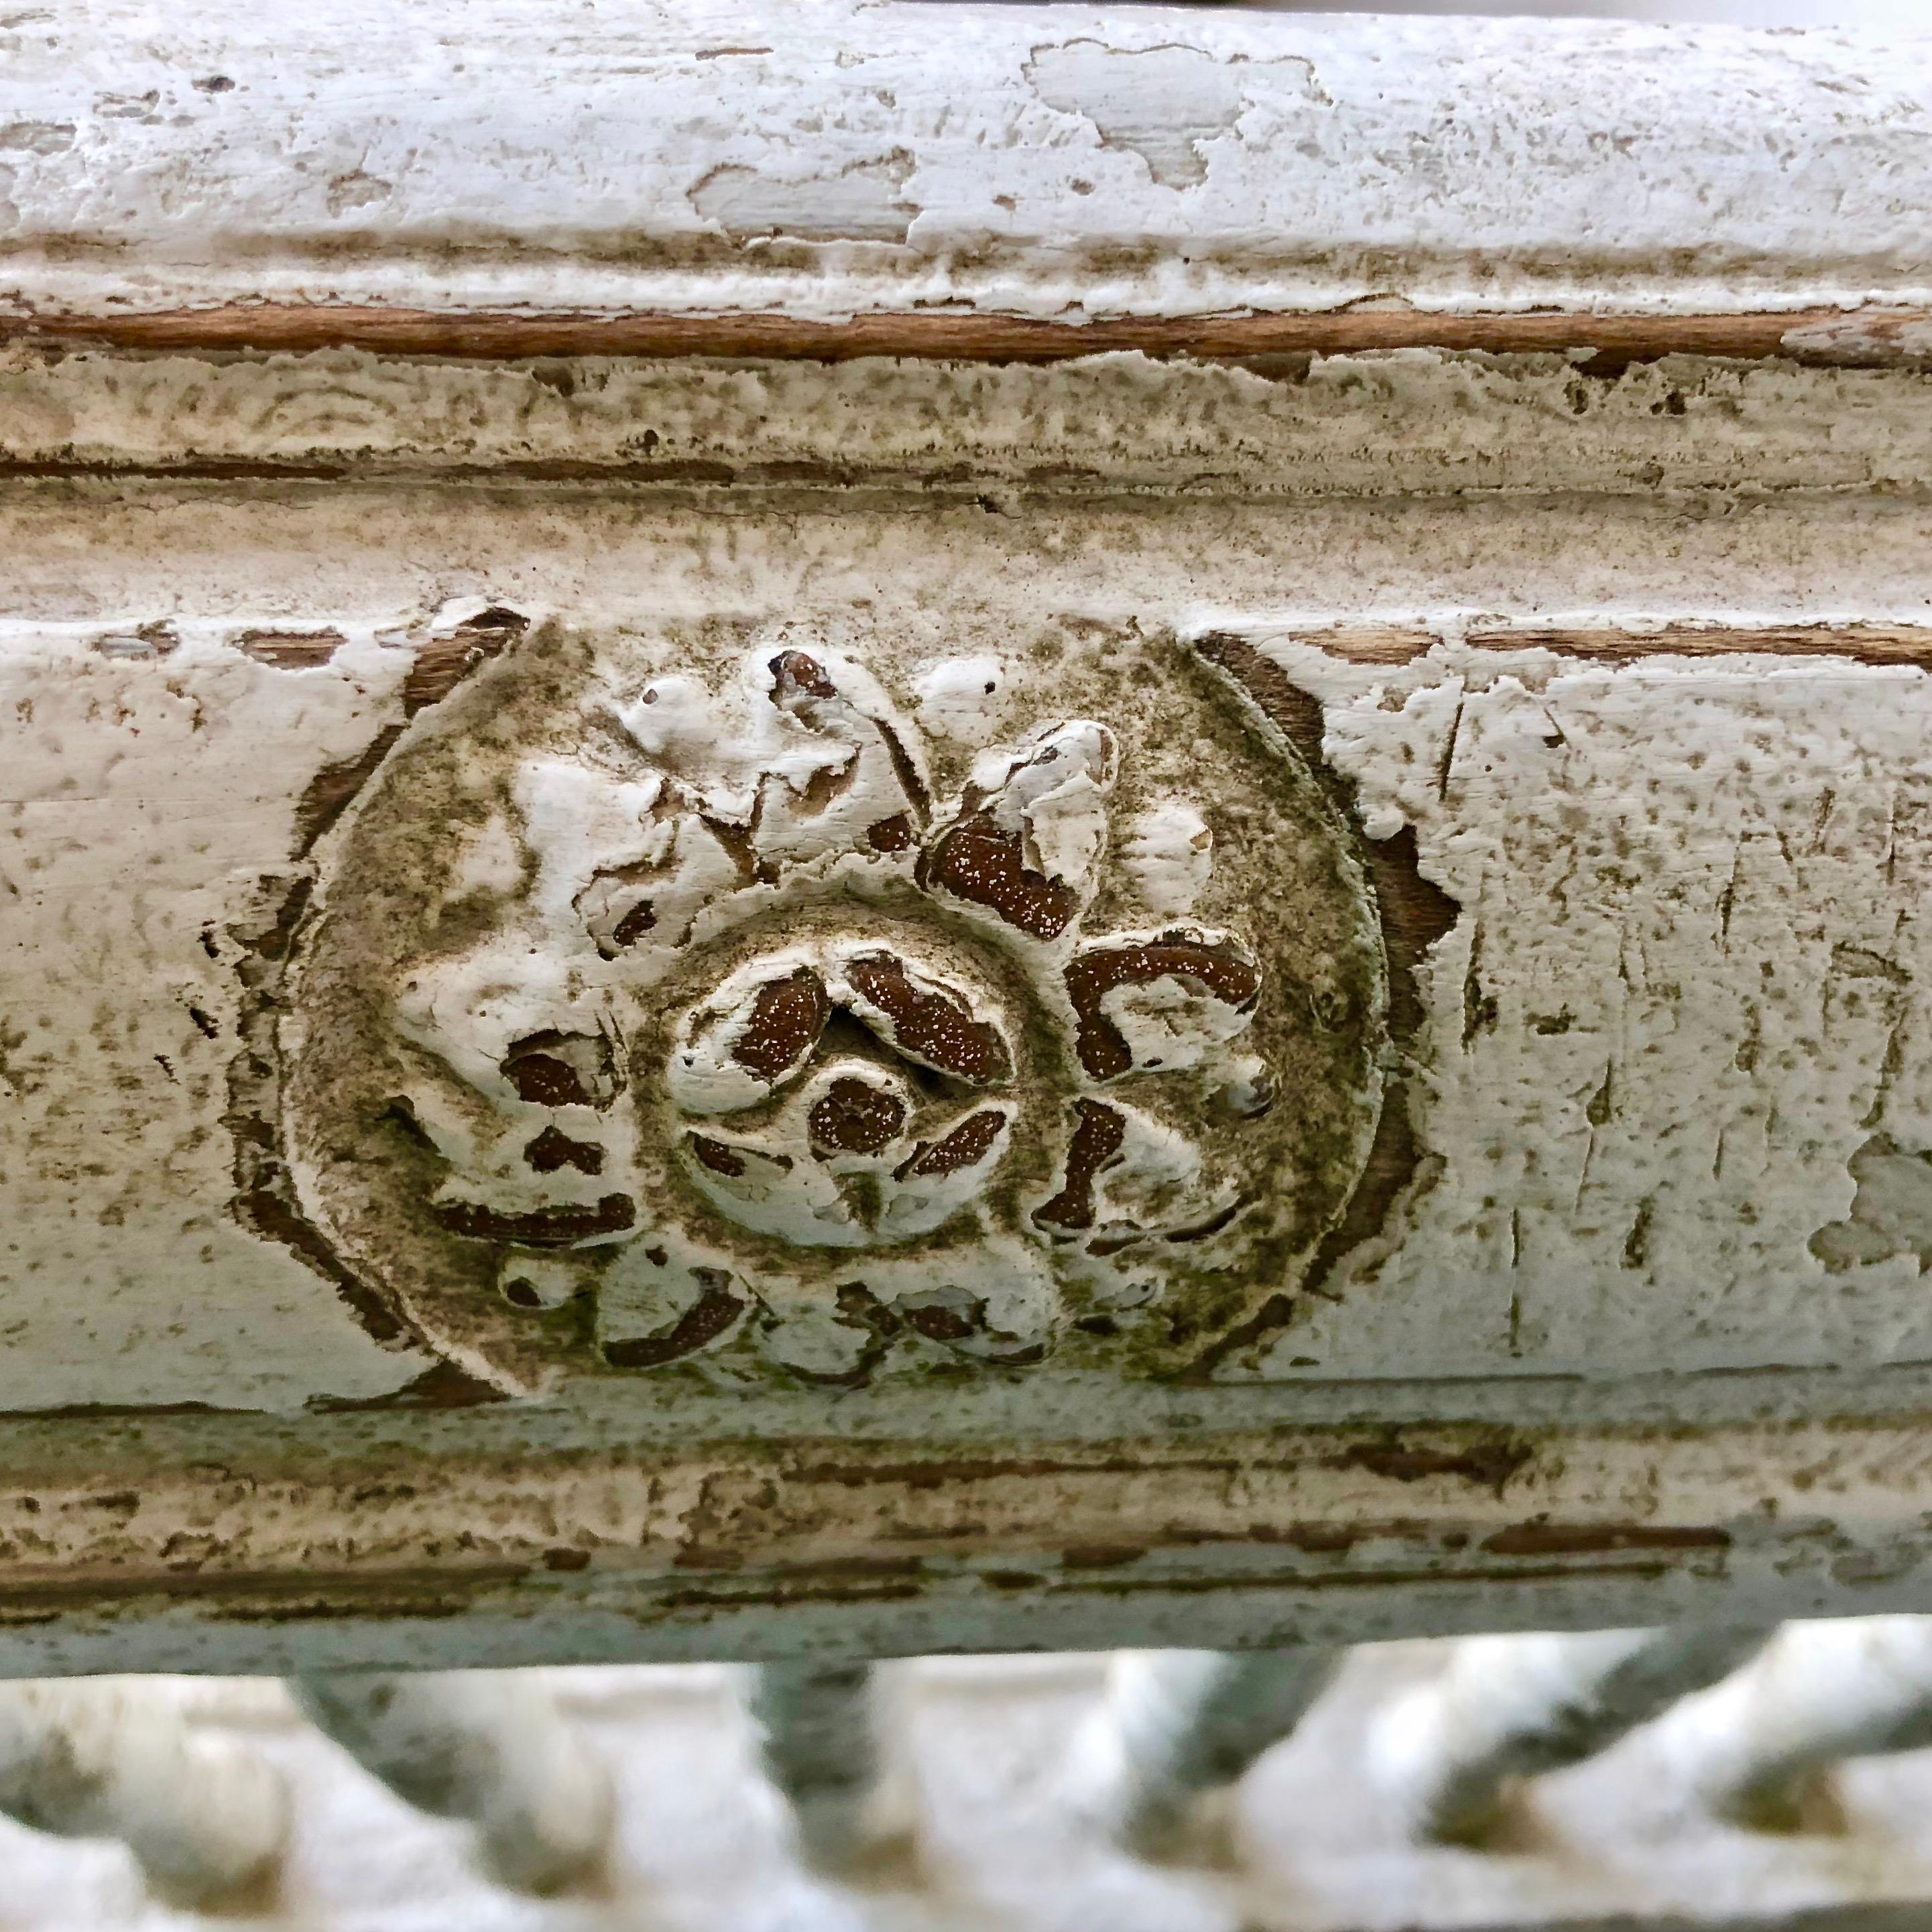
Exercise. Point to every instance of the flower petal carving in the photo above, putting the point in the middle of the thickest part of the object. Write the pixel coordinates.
(756, 1031)
(993, 1302)
(719, 1027)
(944, 1175)
(1159, 1002)
(1031, 830)
(816, 763)
(773, 1192)
(873, 784)
(1095, 1143)
(716, 1302)
(1128, 1178)
(553, 1227)
(858, 1117)
(929, 1023)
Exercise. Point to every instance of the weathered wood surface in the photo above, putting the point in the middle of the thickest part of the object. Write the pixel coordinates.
(1849, 337)
(1626, 768)
(689, 1007)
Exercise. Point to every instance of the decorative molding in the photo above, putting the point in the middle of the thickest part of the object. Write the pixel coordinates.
(1389, 425)
(517, 1534)
(639, 1001)
(1061, 164)
(1601, 346)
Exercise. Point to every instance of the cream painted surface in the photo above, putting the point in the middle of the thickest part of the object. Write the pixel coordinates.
(1675, 1089)
(1636, 1160)
(143, 793)
(1378, 425)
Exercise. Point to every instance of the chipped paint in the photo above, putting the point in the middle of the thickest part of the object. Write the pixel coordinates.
(1413, 420)
(1674, 1050)
(958, 595)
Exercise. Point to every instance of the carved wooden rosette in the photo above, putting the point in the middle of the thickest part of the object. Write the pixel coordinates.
(762, 1000)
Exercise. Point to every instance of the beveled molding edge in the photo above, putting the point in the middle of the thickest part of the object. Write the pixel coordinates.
(277, 1552)
(1395, 421)
(816, 164)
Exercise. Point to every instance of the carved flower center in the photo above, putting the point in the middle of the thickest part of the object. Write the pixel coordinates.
(855, 1117)
(837, 1097)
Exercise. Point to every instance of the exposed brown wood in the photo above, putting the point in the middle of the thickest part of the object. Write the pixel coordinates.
(1360, 644)
(1874, 336)
(1862, 643)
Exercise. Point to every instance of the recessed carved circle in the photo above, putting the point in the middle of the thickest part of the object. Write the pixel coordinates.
(680, 1001)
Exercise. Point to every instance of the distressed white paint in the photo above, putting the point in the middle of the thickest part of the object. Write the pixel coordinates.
(739, 897)
(207, 1819)
(1170, 851)
(956, 696)
(142, 793)
(1641, 1152)
(1411, 420)
(1062, 162)
(991, 1752)
(489, 1747)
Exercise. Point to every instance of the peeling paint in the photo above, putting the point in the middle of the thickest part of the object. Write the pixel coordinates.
(1646, 744)
(1164, 103)
(1679, 1146)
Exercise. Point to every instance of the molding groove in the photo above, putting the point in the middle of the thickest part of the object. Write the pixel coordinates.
(1598, 344)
